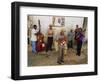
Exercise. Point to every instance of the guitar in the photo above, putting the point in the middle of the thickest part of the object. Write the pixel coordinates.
(40, 45)
(62, 41)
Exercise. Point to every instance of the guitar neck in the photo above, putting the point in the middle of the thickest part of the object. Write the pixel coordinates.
(39, 25)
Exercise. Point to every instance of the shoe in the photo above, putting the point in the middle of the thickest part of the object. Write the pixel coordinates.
(47, 56)
(78, 54)
(59, 62)
(62, 61)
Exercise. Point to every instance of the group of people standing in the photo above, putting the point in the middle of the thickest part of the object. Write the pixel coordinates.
(77, 38)
(72, 37)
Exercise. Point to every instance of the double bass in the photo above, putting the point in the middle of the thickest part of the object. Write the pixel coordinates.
(40, 45)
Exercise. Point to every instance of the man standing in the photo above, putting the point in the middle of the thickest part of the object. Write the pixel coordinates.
(76, 30)
(49, 39)
(62, 42)
(70, 39)
(33, 38)
(79, 38)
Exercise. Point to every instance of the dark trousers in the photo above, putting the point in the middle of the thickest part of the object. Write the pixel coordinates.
(49, 44)
(70, 44)
(79, 46)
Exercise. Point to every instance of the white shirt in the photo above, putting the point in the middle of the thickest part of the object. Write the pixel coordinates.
(33, 36)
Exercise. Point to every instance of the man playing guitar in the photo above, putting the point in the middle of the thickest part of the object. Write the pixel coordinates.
(62, 43)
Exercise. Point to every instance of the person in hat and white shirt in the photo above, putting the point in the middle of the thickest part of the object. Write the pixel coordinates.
(33, 38)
